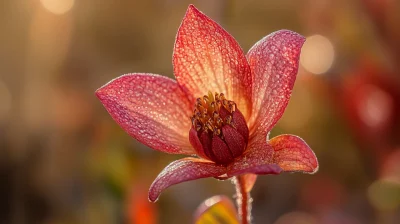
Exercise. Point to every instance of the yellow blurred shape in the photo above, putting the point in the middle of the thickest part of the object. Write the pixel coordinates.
(317, 54)
(384, 195)
(58, 6)
(218, 210)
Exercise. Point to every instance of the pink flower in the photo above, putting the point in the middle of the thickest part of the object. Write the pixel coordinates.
(227, 131)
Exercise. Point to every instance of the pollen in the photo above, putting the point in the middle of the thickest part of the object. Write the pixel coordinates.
(212, 112)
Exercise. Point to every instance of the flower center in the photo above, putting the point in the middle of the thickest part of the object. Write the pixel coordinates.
(211, 113)
(219, 131)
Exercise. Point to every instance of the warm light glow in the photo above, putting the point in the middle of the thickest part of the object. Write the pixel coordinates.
(375, 107)
(58, 6)
(317, 54)
(299, 111)
(5, 99)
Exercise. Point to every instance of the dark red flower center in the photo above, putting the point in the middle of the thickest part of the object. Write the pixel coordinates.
(219, 131)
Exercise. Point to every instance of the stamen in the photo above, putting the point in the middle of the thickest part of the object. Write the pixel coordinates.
(206, 114)
(221, 128)
(228, 119)
(210, 95)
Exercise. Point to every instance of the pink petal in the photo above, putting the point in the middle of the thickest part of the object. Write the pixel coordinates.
(293, 154)
(240, 123)
(183, 170)
(254, 168)
(150, 108)
(220, 150)
(257, 160)
(234, 140)
(195, 141)
(274, 62)
(207, 58)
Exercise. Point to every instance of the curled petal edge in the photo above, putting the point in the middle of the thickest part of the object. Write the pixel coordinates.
(256, 160)
(293, 154)
(183, 170)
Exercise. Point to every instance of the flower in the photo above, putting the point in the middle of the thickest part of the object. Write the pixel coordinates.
(228, 130)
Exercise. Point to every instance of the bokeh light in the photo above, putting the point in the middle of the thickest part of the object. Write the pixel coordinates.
(384, 195)
(317, 54)
(375, 106)
(58, 6)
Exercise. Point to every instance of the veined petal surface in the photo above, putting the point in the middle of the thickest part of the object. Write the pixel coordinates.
(292, 154)
(207, 58)
(257, 160)
(274, 62)
(152, 109)
(183, 170)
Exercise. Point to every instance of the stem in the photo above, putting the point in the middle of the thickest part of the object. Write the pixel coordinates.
(243, 200)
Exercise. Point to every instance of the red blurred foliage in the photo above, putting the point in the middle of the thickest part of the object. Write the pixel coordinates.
(391, 167)
(322, 193)
(139, 209)
(371, 98)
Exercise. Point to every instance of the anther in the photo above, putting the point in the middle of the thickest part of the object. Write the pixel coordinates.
(228, 119)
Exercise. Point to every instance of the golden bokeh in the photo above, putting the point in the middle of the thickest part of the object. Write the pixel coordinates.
(58, 6)
(317, 54)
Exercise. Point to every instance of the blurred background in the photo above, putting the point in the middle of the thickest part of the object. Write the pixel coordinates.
(64, 160)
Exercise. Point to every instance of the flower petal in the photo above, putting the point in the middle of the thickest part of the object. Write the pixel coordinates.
(257, 160)
(274, 62)
(152, 109)
(196, 143)
(220, 150)
(234, 140)
(207, 58)
(254, 168)
(183, 170)
(293, 154)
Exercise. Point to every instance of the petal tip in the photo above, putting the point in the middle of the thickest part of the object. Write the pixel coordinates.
(153, 196)
(155, 191)
(183, 170)
(315, 167)
(293, 34)
(192, 8)
(103, 93)
(100, 93)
